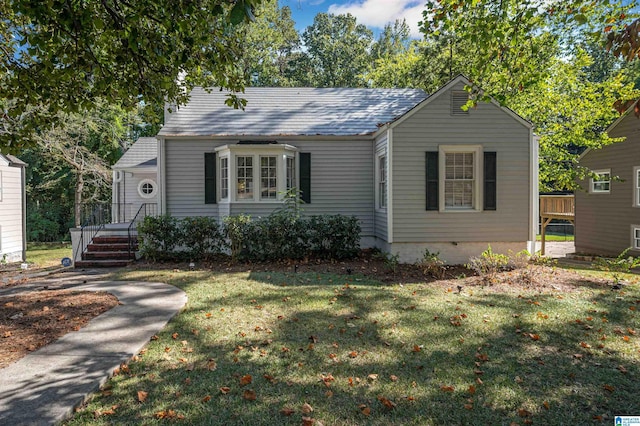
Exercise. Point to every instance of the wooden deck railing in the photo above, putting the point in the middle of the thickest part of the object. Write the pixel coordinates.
(555, 207)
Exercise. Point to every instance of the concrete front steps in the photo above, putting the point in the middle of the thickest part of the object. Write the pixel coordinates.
(108, 251)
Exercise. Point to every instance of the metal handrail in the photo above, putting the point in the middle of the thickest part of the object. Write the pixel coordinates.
(146, 209)
(93, 223)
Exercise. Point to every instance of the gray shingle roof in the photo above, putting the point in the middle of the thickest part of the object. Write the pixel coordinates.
(291, 111)
(142, 153)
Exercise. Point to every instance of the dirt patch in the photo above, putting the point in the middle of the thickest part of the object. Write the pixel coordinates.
(35, 319)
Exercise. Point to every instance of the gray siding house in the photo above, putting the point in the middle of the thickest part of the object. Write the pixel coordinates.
(416, 170)
(13, 224)
(134, 180)
(607, 216)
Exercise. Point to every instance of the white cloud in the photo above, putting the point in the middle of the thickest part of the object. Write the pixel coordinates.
(378, 13)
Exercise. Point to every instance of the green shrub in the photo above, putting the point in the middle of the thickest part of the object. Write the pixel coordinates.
(237, 229)
(432, 265)
(617, 266)
(159, 236)
(488, 264)
(201, 237)
(334, 236)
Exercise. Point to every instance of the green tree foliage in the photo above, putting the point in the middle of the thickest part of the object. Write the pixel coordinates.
(337, 53)
(393, 40)
(69, 165)
(62, 56)
(570, 113)
(268, 44)
(512, 41)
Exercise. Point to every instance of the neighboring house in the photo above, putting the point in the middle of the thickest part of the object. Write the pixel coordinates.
(134, 179)
(13, 224)
(608, 207)
(416, 170)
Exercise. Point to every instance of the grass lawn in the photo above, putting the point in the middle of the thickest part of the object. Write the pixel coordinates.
(250, 346)
(45, 255)
(551, 237)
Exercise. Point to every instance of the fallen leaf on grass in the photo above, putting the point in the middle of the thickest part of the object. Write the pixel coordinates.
(585, 345)
(306, 408)
(622, 369)
(206, 398)
(546, 404)
(212, 365)
(416, 348)
(249, 395)
(518, 379)
(353, 354)
(447, 388)
(246, 379)
(142, 396)
(175, 336)
(534, 336)
(471, 390)
(468, 406)
(387, 402)
(308, 421)
(524, 413)
(225, 390)
(372, 377)
(286, 411)
(608, 388)
(364, 409)
(393, 378)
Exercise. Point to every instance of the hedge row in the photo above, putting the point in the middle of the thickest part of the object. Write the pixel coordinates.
(278, 236)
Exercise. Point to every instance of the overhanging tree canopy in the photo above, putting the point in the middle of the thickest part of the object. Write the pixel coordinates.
(63, 55)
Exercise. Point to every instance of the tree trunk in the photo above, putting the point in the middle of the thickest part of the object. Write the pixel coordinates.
(78, 198)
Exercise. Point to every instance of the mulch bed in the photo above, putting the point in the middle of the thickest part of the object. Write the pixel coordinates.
(34, 319)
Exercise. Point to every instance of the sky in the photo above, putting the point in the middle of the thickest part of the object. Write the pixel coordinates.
(372, 13)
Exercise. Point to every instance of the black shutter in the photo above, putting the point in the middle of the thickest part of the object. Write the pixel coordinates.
(432, 180)
(210, 196)
(305, 177)
(490, 181)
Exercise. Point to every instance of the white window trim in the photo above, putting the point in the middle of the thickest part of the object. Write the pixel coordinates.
(147, 181)
(378, 199)
(280, 151)
(1, 187)
(592, 189)
(477, 175)
(634, 245)
(636, 186)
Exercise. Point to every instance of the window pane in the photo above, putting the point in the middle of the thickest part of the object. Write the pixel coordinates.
(459, 180)
(268, 181)
(224, 178)
(244, 172)
(291, 173)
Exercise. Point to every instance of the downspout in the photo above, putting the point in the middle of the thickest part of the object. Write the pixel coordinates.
(389, 186)
(162, 193)
(534, 188)
(23, 175)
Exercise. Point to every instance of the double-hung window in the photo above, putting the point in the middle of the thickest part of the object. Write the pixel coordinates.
(460, 177)
(291, 172)
(601, 182)
(635, 236)
(382, 181)
(268, 177)
(244, 173)
(224, 178)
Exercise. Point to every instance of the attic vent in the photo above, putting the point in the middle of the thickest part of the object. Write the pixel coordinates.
(459, 98)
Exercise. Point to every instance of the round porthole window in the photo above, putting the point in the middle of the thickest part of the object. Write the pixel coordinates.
(147, 188)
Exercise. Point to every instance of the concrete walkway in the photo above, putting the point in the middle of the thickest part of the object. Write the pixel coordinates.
(45, 386)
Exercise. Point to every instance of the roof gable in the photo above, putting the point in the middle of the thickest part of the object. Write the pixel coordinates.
(143, 153)
(444, 89)
(292, 111)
